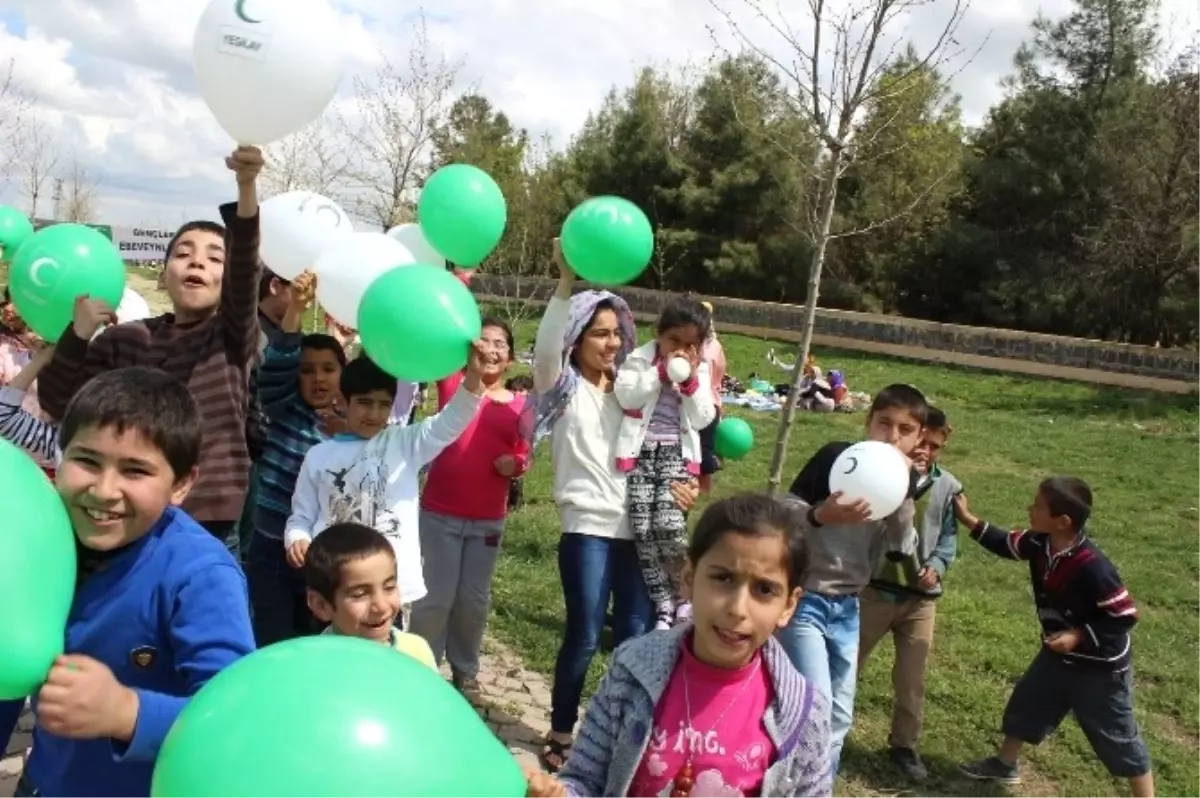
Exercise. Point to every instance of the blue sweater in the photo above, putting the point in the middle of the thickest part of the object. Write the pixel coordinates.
(165, 615)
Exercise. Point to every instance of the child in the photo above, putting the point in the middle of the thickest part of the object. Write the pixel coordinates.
(350, 571)
(714, 355)
(521, 385)
(19, 347)
(298, 385)
(659, 443)
(822, 638)
(714, 705)
(1084, 665)
(902, 597)
(461, 529)
(160, 606)
(369, 474)
(208, 342)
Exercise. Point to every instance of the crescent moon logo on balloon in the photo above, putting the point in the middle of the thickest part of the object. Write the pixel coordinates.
(239, 8)
(330, 211)
(36, 266)
(853, 465)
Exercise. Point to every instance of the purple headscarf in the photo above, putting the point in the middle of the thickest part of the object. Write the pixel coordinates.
(550, 404)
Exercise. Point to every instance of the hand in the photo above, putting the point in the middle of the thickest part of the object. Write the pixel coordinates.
(91, 315)
(832, 512)
(685, 492)
(505, 465)
(331, 421)
(245, 163)
(82, 700)
(564, 271)
(297, 552)
(691, 355)
(962, 511)
(1064, 642)
(304, 291)
(929, 578)
(539, 784)
(340, 332)
(477, 360)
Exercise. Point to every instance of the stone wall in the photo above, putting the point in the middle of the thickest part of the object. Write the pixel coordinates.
(1173, 370)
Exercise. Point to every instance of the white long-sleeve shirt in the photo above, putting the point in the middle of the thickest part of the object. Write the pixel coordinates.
(588, 489)
(375, 482)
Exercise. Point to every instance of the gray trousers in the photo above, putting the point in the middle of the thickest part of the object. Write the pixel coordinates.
(459, 557)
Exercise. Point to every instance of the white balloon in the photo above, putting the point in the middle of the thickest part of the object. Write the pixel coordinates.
(413, 239)
(295, 228)
(349, 265)
(873, 471)
(267, 68)
(678, 369)
(133, 307)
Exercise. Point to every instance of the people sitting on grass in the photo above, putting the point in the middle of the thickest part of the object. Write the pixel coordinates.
(580, 343)
(715, 706)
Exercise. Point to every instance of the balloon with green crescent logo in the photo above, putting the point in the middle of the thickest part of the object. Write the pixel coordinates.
(15, 228)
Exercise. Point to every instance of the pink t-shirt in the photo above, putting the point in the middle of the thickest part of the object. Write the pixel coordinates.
(714, 353)
(729, 747)
(463, 481)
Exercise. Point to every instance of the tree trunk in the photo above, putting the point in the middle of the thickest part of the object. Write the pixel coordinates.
(825, 203)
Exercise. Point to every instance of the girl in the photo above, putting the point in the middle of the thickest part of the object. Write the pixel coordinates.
(18, 346)
(580, 342)
(659, 443)
(714, 708)
(463, 509)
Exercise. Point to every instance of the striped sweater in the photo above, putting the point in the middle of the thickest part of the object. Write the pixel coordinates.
(20, 427)
(213, 358)
(291, 432)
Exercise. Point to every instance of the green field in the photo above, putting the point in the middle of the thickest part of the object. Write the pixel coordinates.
(1139, 452)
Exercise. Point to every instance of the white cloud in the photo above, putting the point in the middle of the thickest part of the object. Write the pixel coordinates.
(114, 77)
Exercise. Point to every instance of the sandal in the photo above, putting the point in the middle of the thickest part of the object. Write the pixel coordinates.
(555, 748)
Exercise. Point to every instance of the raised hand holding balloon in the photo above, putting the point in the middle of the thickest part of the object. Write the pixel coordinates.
(607, 240)
(267, 68)
(462, 214)
(296, 227)
(872, 472)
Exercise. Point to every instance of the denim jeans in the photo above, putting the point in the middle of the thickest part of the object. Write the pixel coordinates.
(10, 711)
(592, 569)
(278, 606)
(822, 642)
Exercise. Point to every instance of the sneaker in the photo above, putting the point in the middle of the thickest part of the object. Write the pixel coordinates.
(468, 686)
(909, 762)
(991, 768)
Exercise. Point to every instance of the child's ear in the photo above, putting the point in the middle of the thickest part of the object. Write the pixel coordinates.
(319, 606)
(686, 578)
(793, 601)
(183, 486)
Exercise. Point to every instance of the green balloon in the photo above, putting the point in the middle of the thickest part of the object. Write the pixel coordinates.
(417, 322)
(15, 228)
(607, 240)
(37, 555)
(462, 214)
(734, 438)
(331, 716)
(56, 265)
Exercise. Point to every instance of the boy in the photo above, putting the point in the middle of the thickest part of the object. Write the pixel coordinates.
(370, 473)
(1084, 665)
(298, 385)
(902, 596)
(160, 606)
(522, 385)
(350, 571)
(822, 637)
(208, 342)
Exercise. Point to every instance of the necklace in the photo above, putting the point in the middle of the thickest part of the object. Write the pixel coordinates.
(681, 785)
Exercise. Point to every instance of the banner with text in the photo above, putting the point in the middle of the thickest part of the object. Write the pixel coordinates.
(142, 244)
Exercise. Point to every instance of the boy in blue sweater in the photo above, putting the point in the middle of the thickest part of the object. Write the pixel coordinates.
(298, 387)
(160, 604)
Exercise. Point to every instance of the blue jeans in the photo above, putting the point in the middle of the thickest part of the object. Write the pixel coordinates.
(822, 642)
(592, 569)
(278, 605)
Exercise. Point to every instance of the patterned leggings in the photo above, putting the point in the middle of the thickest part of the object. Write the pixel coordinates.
(658, 525)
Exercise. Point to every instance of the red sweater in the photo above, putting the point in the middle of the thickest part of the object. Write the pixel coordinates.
(462, 481)
(211, 357)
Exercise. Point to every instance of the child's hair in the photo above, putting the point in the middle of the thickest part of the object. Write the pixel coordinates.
(146, 400)
(326, 342)
(264, 282)
(521, 382)
(187, 227)
(1069, 496)
(935, 419)
(336, 546)
(362, 376)
(683, 311)
(501, 324)
(903, 397)
(752, 514)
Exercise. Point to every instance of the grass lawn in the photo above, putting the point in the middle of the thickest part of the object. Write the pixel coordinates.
(1139, 452)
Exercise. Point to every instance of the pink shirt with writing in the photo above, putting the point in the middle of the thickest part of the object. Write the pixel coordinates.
(728, 744)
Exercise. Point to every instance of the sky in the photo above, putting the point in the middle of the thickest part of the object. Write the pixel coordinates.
(113, 80)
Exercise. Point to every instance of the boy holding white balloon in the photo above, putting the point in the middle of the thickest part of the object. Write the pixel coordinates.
(846, 533)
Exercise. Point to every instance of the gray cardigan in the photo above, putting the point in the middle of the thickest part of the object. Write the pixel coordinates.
(617, 726)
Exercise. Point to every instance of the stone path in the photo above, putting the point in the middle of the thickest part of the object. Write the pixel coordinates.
(514, 702)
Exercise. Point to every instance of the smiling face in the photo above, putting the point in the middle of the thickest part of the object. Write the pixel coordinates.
(499, 351)
(116, 486)
(596, 350)
(193, 274)
(319, 375)
(740, 597)
(366, 601)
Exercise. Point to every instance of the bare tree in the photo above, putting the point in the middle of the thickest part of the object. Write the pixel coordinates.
(830, 77)
(311, 160)
(14, 116)
(37, 157)
(78, 196)
(398, 111)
